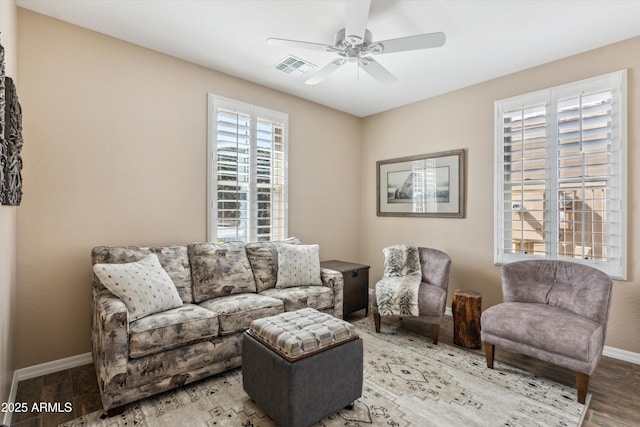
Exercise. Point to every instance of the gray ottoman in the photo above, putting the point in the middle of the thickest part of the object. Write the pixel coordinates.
(301, 366)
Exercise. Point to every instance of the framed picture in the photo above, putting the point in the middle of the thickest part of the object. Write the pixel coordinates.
(429, 185)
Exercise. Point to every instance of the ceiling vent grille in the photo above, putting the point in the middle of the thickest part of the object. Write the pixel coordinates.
(292, 63)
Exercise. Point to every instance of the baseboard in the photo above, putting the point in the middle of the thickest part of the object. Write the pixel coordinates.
(43, 369)
(53, 366)
(616, 353)
(12, 399)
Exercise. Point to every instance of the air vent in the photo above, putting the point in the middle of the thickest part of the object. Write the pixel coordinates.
(292, 63)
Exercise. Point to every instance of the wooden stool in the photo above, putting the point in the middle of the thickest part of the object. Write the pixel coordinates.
(466, 307)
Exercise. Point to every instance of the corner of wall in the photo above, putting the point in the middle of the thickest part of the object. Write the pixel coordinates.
(8, 38)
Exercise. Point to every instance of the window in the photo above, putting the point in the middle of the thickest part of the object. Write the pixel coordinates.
(247, 179)
(561, 174)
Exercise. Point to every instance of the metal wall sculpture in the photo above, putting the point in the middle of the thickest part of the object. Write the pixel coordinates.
(10, 140)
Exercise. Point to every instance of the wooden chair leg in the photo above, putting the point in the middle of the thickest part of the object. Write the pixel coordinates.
(435, 331)
(489, 352)
(376, 321)
(582, 384)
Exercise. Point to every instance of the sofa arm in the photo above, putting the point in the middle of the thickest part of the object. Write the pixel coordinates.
(335, 281)
(109, 336)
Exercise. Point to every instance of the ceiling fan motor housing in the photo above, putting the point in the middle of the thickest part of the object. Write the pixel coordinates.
(352, 48)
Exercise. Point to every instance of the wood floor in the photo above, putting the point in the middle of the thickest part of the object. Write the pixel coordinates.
(615, 386)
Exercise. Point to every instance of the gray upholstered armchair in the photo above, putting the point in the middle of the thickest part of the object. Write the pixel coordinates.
(433, 279)
(555, 311)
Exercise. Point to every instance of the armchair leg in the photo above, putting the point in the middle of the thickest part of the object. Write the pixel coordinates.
(582, 384)
(489, 352)
(376, 321)
(435, 331)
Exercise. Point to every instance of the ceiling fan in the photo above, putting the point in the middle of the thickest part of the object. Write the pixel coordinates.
(354, 44)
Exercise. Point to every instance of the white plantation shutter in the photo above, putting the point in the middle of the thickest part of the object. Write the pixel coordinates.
(247, 172)
(561, 174)
(271, 177)
(524, 174)
(233, 161)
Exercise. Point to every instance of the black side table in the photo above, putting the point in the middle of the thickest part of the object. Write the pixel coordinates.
(356, 284)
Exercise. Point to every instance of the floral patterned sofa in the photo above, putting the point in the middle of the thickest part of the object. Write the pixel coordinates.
(166, 316)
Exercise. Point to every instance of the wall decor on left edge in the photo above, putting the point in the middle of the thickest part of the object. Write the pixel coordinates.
(2, 144)
(10, 140)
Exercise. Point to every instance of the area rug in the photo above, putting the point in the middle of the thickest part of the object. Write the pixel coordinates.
(407, 382)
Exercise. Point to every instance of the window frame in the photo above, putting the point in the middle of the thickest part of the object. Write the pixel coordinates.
(615, 82)
(215, 103)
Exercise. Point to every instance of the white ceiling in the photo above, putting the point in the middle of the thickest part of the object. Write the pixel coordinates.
(485, 39)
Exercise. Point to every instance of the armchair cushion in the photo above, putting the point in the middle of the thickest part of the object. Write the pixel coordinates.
(220, 269)
(144, 286)
(546, 328)
(578, 288)
(585, 300)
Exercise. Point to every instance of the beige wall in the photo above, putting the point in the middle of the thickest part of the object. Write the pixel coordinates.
(115, 154)
(8, 39)
(115, 144)
(464, 119)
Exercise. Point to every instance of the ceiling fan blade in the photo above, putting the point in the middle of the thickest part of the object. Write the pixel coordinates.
(326, 71)
(377, 71)
(357, 16)
(300, 45)
(403, 44)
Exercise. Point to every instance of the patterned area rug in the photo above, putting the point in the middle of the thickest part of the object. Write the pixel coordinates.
(408, 382)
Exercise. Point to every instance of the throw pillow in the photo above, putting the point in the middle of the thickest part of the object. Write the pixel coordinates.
(220, 269)
(144, 286)
(298, 265)
(263, 257)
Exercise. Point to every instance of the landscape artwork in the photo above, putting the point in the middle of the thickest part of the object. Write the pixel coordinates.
(423, 185)
(400, 185)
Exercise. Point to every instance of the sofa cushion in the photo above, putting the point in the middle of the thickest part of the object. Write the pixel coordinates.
(170, 329)
(220, 269)
(298, 265)
(174, 259)
(544, 327)
(144, 286)
(318, 297)
(263, 257)
(235, 312)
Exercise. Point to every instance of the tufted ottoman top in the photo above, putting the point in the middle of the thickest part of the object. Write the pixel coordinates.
(297, 334)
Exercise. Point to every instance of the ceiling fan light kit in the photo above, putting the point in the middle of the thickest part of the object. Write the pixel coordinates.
(355, 44)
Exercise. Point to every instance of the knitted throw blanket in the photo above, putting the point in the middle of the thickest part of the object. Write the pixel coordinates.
(397, 291)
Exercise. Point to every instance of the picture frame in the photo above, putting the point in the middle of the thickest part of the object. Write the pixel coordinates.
(427, 185)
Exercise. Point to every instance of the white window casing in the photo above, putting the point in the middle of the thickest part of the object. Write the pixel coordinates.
(560, 174)
(247, 162)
